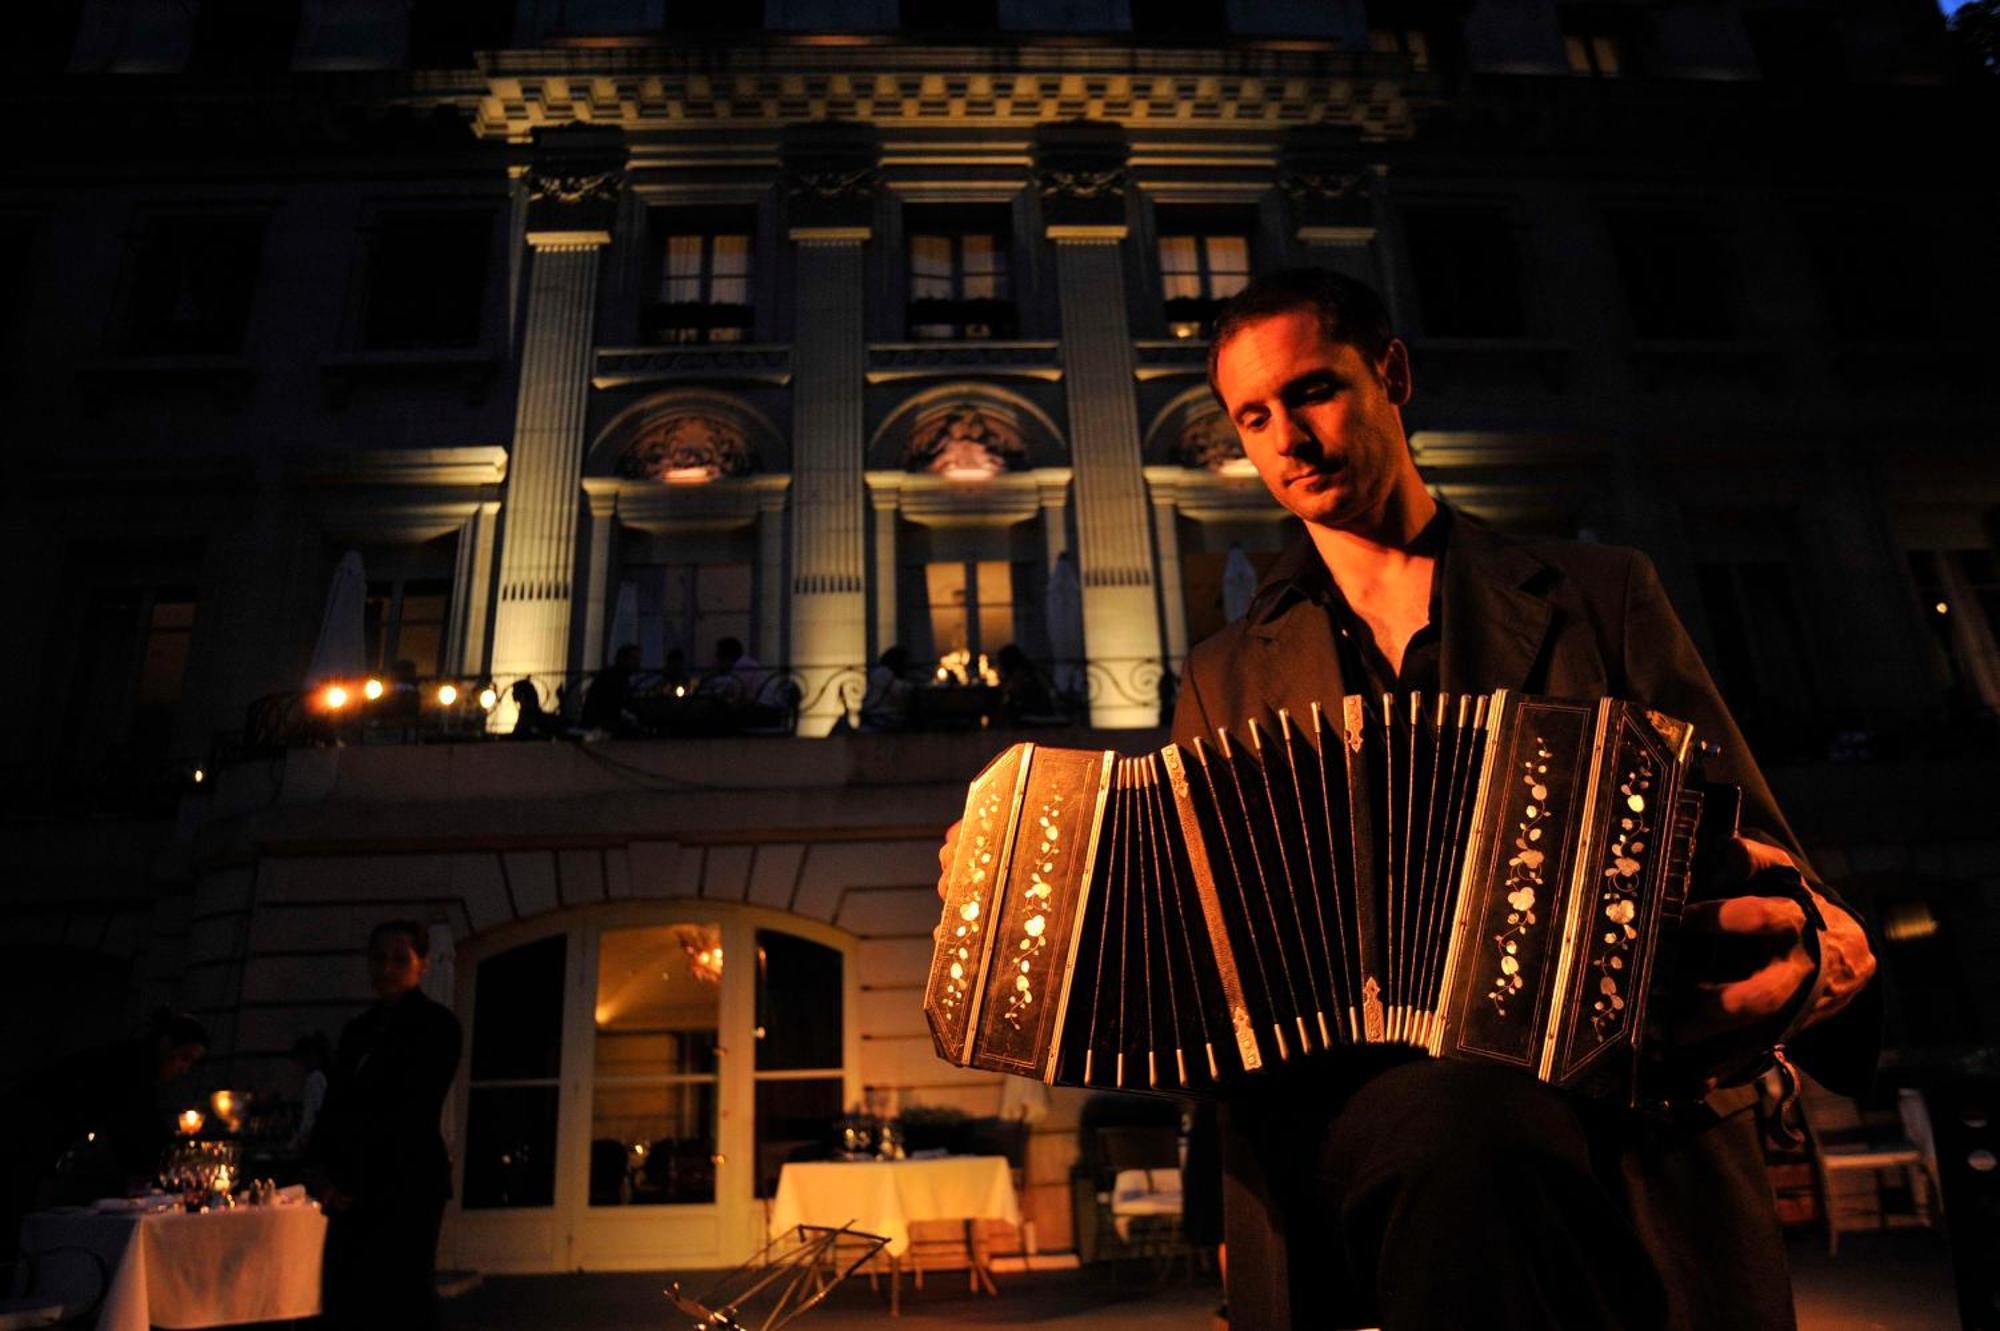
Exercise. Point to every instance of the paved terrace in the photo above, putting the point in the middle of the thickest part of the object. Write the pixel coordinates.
(1896, 1281)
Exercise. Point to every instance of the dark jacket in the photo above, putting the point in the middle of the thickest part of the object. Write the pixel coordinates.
(377, 1136)
(1570, 620)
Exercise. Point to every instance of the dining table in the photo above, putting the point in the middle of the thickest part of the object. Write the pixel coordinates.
(887, 1197)
(163, 1266)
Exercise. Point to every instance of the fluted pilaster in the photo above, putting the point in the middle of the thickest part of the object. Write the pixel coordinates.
(1121, 625)
(829, 508)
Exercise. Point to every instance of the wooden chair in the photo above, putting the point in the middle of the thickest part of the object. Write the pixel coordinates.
(1848, 1140)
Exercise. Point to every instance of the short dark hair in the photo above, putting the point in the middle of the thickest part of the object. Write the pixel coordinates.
(416, 931)
(1348, 311)
(176, 1028)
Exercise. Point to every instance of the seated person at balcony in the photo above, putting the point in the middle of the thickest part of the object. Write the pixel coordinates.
(384, 1174)
(608, 703)
(886, 704)
(1025, 695)
(742, 685)
(1438, 1193)
(530, 721)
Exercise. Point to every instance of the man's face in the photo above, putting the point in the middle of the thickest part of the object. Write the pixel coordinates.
(394, 968)
(1322, 425)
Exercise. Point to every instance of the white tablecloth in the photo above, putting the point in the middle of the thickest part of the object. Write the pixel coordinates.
(884, 1196)
(251, 1264)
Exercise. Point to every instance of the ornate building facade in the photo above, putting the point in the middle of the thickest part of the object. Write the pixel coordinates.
(592, 322)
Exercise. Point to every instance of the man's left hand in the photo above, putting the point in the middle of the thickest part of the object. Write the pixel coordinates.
(1846, 961)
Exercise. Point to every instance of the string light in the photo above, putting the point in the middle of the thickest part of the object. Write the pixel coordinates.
(489, 698)
(447, 694)
(372, 689)
(335, 697)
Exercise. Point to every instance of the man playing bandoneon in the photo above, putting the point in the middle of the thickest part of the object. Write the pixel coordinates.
(1387, 1189)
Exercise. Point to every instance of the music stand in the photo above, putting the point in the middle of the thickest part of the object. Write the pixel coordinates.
(790, 1275)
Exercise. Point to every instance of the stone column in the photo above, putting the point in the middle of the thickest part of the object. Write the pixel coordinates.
(471, 591)
(886, 501)
(573, 191)
(1083, 203)
(1331, 193)
(831, 177)
(771, 576)
(603, 508)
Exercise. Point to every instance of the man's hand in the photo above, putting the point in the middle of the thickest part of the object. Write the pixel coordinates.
(1778, 924)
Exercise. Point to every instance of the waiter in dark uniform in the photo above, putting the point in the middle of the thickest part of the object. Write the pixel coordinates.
(1417, 1193)
(385, 1173)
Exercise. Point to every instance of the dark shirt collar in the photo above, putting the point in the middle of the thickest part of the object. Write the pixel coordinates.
(1299, 574)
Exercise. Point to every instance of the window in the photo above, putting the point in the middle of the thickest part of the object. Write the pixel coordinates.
(1679, 277)
(1795, 45)
(800, 1032)
(949, 15)
(1414, 44)
(404, 620)
(41, 37)
(1600, 42)
(427, 280)
(445, 33)
(515, 1079)
(971, 605)
(655, 1070)
(1876, 275)
(706, 16)
(1593, 54)
(1184, 20)
(682, 607)
(958, 276)
(243, 36)
(1468, 272)
(132, 654)
(193, 282)
(703, 291)
(406, 616)
(1203, 262)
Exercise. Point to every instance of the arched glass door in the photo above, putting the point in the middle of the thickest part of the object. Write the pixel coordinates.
(638, 1075)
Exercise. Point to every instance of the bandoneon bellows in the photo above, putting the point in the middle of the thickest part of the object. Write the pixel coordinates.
(1479, 876)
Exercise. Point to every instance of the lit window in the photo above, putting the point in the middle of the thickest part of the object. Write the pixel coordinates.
(1197, 273)
(1594, 55)
(971, 605)
(958, 279)
(704, 291)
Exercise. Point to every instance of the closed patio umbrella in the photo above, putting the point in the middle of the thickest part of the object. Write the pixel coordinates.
(341, 651)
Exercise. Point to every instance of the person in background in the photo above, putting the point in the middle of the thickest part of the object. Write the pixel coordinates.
(94, 1124)
(1025, 695)
(886, 705)
(312, 1053)
(382, 1172)
(608, 704)
(530, 721)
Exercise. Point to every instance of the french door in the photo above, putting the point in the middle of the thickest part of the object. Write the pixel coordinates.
(636, 1075)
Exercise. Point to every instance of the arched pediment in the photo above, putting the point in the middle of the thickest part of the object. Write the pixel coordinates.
(1191, 431)
(966, 431)
(684, 437)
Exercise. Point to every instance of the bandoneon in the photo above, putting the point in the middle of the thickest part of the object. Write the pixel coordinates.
(1489, 876)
